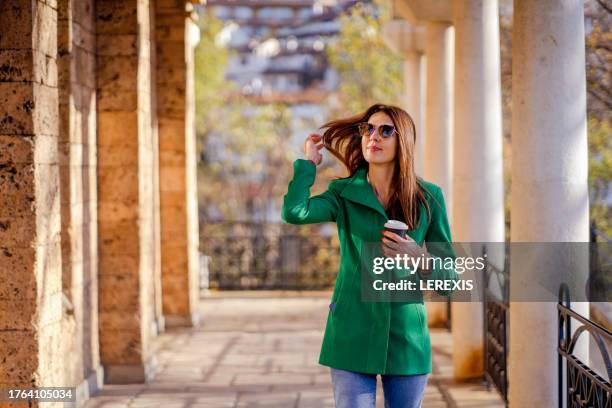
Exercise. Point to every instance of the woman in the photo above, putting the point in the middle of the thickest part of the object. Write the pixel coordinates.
(363, 339)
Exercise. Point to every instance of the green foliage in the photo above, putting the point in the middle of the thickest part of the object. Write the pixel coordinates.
(369, 72)
(600, 173)
(210, 60)
(599, 104)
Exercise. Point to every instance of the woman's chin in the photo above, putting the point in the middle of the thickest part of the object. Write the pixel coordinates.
(377, 160)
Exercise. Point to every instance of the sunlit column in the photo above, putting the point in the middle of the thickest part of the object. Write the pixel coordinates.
(407, 40)
(478, 206)
(549, 178)
(438, 107)
(126, 191)
(177, 35)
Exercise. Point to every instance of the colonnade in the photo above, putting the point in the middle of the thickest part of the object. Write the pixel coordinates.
(461, 150)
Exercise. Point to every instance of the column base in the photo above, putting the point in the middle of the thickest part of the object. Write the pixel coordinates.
(437, 315)
(131, 373)
(87, 388)
(158, 326)
(192, 320)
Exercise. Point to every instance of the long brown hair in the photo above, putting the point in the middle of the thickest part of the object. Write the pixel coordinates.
(342, 139)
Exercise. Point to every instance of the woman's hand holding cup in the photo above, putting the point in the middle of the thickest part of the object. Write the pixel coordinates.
(396, 241)
(312, 147)
(394, 244)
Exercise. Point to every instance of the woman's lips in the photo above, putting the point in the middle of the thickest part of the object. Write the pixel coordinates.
(374, 149)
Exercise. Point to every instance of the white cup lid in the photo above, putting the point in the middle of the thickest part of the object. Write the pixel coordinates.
(395, 224)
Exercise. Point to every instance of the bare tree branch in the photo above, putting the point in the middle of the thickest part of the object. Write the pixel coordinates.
(605, 6)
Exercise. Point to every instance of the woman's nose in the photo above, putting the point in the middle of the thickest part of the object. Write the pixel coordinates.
(375, 135)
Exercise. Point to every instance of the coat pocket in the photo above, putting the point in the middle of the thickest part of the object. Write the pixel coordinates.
(343, 285)
(337, 293)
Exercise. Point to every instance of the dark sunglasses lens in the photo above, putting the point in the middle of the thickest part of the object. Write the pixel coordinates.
(387, 130)
(370, 129)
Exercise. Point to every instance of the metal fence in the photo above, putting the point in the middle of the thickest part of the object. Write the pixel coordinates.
(579, 384)
(251, 255)
(495, 312)
(496, 329)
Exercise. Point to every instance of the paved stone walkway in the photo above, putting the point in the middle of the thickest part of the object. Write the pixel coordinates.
(260, 349)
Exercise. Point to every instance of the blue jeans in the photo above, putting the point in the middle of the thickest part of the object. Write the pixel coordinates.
(358, 390)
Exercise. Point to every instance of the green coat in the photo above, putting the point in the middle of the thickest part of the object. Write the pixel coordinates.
(371, 337)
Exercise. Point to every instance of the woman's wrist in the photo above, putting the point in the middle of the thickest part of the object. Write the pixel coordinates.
(310, 160)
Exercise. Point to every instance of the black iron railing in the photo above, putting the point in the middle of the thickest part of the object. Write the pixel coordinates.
(252, 255)
(579, 385)
(495, 313)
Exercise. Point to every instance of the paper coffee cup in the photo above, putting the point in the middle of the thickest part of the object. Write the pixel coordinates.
(397, 227)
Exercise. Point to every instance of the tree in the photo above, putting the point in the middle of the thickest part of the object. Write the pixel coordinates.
(600, 174)
(599, 105)
(369, 72)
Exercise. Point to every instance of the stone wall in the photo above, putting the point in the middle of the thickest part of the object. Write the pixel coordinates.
(177, 162)
(30, 253)
(78, 191)
(126, 190)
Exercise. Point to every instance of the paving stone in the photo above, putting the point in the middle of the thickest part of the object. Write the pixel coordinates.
(268, 400)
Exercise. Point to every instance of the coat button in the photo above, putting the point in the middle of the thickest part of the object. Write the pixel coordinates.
(332, 306)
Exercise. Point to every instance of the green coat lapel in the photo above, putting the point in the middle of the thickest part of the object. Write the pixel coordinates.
(360, 191)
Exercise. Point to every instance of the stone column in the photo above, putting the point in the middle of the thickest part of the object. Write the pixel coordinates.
(126, 196)
(439, 50)
(478, 202)
(178, 167)
(414, 85)
(159, 321)
(407, 41)
(549, 177)
(76, 44)
(30, 243)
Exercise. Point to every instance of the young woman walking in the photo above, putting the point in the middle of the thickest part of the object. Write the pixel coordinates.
(365, 339)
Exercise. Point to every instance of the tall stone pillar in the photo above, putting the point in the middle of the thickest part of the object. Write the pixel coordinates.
(549, 177)
(30, 243)
(439, 51)
(478, 202)
(76, 45)
(126, 190)
(414, 85)
(407, 41)
(159, 321)
(175, 29)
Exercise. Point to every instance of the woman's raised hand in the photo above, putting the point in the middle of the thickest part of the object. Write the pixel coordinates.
(312, 147)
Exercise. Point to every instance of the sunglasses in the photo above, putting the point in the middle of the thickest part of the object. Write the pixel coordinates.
(384, 131)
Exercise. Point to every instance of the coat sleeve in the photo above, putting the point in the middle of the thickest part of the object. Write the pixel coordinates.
(299, 207)
(439, 245)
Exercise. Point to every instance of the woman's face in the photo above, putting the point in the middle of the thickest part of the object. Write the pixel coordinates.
(376, 149)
